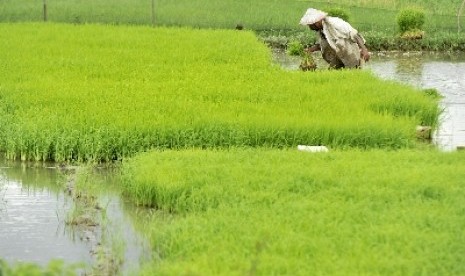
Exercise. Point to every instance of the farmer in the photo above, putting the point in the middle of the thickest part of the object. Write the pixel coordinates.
(340, 44)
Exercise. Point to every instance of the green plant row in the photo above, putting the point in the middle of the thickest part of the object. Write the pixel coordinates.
(285, 212)
(375, 41)
(55, 267)
(376, 15)
(90, 92)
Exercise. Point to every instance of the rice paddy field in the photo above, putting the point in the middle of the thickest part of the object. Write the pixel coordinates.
(284, 212)
(255, 15)
(102, 93)
(205, 128)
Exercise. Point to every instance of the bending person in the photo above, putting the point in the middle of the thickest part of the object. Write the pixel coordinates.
(340, 44)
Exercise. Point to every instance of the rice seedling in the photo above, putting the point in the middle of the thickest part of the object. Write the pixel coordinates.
(286, 212)
(102, 93)
(55, 267)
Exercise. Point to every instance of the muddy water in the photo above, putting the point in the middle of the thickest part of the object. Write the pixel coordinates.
(35, 209)
(441, 71)
(32, 215)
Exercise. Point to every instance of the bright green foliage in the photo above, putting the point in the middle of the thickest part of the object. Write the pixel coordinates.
(284, 212)
(410, 20)
(295, 48)
(54, 268)
(90, 92)
(440, 42)
(339, 12)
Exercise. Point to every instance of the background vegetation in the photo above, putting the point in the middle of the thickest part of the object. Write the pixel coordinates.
(276, 21)
(256, 15)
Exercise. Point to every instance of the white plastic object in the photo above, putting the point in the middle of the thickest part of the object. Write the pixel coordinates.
(312, 148)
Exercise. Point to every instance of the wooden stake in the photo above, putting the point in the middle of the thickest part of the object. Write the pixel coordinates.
(153, 13)
(459, 13)
(45, 10)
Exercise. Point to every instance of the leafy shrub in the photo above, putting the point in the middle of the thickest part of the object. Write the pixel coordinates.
(410, 19)
(339, 12)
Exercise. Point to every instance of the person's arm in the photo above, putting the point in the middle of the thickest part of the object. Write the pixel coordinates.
(363, 49)
(313, 48)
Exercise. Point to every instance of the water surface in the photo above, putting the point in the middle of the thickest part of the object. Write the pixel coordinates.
(444, 72)
(35, 206)
(33, 210)
(441, 71)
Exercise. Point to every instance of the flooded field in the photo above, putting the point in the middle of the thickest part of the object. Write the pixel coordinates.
(37, 208)
(39, 223)
(442, 71)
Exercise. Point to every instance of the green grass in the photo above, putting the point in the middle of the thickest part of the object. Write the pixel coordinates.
(91, 92)
(257, 14)
(284, 212)
(55, 267)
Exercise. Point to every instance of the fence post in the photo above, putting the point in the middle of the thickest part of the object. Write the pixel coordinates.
(45, 10)
(153, 13)
(459, 13)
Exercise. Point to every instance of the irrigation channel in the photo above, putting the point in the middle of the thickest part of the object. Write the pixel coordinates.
(42, 220)
(444, 72)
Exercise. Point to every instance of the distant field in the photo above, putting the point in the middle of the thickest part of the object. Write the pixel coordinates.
(258, 15)
(92, 92)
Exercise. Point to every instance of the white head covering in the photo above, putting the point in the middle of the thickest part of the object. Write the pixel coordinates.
(312, 16)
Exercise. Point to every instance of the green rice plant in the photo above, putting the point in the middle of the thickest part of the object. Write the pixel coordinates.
(339, 12)
(103, 93)
(295, 48)
(54, 267)
(286, 212)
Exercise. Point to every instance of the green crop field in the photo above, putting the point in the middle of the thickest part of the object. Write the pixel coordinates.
(375, 15)
(206, 129)
(284, 212)
(207, 126)
(90, 92)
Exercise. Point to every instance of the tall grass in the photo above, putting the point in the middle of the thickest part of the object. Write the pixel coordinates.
(94, 92)
(257, 14)
(270, 212)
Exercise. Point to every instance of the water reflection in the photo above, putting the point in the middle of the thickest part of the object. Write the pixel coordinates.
(442, 71)
(32, 215)
(121, 226)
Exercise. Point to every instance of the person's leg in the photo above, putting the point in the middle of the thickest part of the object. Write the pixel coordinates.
(336, 63)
